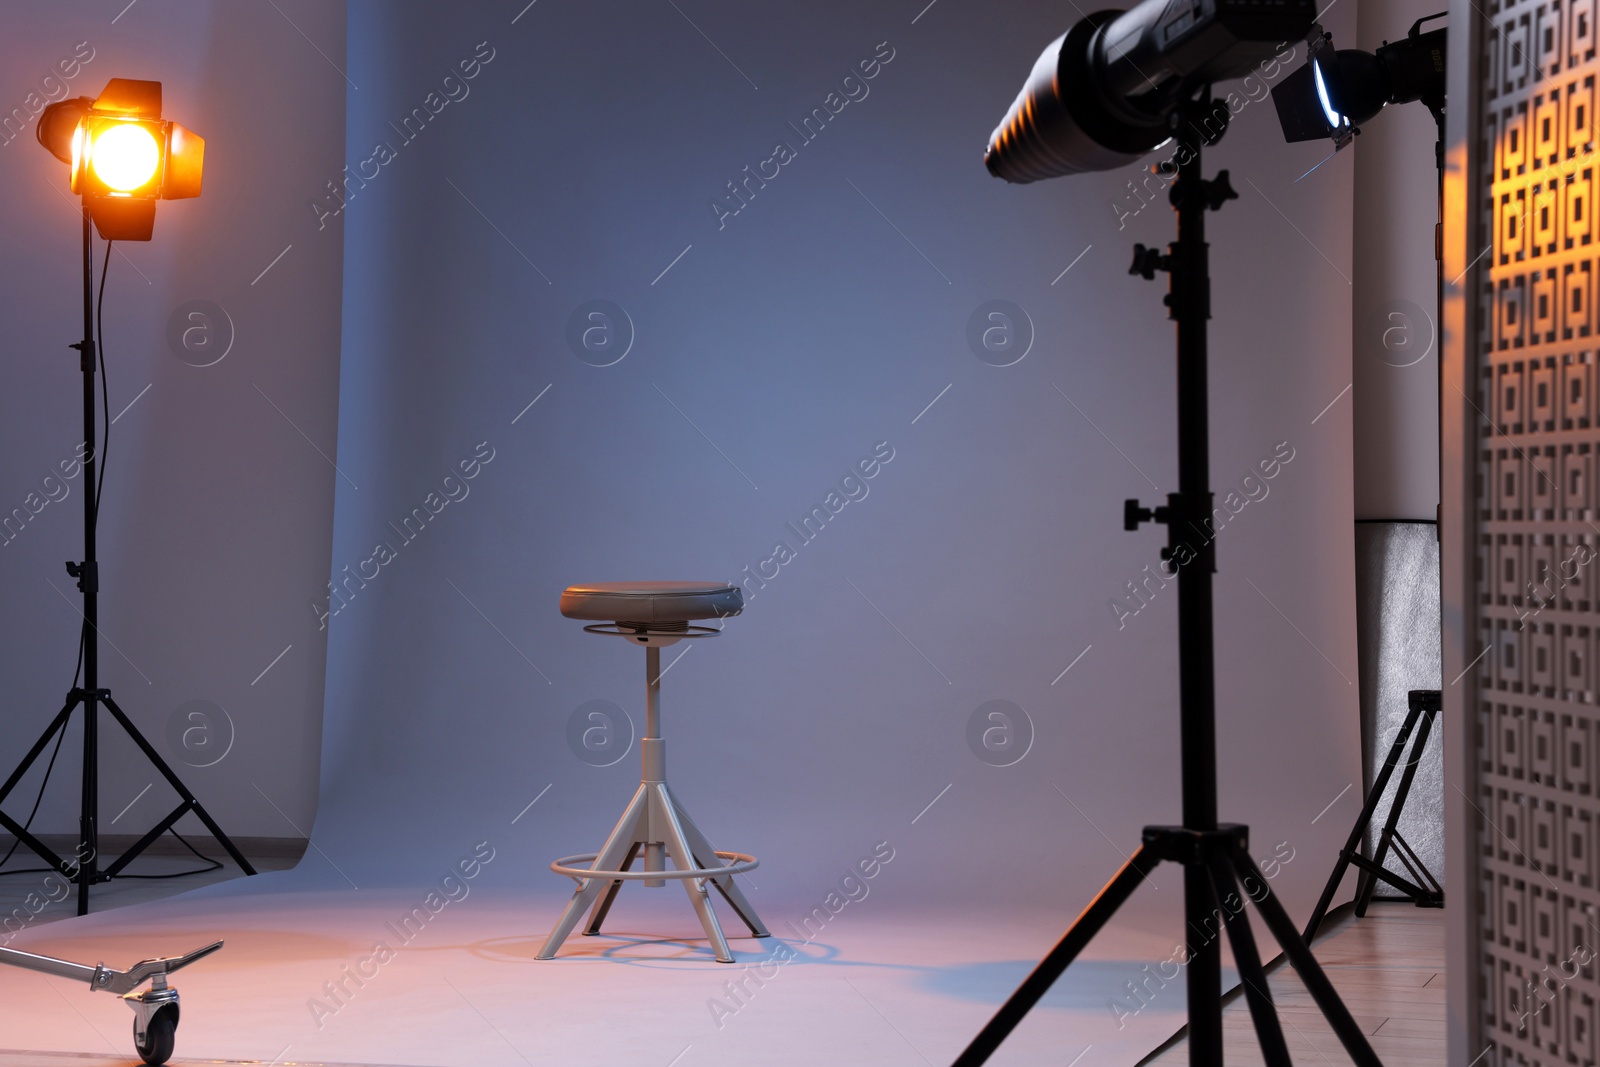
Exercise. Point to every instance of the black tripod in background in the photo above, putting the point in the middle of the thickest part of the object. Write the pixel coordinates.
(1425, 892)
(83, 869)
(1216, 858)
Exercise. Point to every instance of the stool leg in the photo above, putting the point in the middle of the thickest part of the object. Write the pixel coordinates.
(706, 856)
(602, 907)
(683, 857)
(616, 847)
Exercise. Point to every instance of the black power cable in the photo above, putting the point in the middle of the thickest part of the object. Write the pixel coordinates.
(29, 824)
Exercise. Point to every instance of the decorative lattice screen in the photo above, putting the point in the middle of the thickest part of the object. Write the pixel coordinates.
(1538, 724)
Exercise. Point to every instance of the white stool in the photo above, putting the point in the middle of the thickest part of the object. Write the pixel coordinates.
(654, 824)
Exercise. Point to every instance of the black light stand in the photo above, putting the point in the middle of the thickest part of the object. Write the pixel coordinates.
(84, 868)
(1216, 858)
(1425, 705)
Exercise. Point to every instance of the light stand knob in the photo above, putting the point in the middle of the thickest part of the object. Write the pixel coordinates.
(1146, 261)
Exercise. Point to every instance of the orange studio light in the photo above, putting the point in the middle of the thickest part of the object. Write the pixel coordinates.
(124, 156)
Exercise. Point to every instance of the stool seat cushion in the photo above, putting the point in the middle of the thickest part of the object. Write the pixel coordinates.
(651, 602)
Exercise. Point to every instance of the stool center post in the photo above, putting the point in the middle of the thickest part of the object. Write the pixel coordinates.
(652, 750)
(652, 698)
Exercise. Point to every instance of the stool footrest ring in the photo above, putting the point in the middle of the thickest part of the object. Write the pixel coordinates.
(742, 862)
(616, 630)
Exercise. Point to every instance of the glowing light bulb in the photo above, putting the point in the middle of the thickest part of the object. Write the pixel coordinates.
(125, 157)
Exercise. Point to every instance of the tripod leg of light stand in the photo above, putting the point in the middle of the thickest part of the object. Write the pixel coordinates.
(1252, 976)
(57, 724)
(146, 841)
(1424, 891)
(1078, 935)
(1304, 963)
(1369, 882)
(190, 803)
(38, 847)
(15, 828)
(1202, 970)
(1352, 844)
(1418, 870)
(1412, 890)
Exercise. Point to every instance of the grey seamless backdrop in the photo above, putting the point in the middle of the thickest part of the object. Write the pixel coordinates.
(772, 349)
(217, 514)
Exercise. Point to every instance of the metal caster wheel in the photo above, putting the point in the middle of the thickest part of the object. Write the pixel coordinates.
(155, 1010)
(159, 1036)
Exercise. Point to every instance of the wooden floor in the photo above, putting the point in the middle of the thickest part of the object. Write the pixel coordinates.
(1388, 967)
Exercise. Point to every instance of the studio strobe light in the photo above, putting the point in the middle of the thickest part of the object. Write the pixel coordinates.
(1114, 87)
(1108, 90)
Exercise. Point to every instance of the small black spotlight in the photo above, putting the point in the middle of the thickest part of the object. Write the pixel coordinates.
(1106, 92)
(1339, 90)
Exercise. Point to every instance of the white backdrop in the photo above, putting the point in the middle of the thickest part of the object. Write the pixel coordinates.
(771, 349)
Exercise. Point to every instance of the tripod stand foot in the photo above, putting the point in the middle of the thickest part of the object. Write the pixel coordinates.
(1424, 706)
(1078, 935)
(84, 869)
(1220, 857)
(1304, 963)
(1252, 976)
